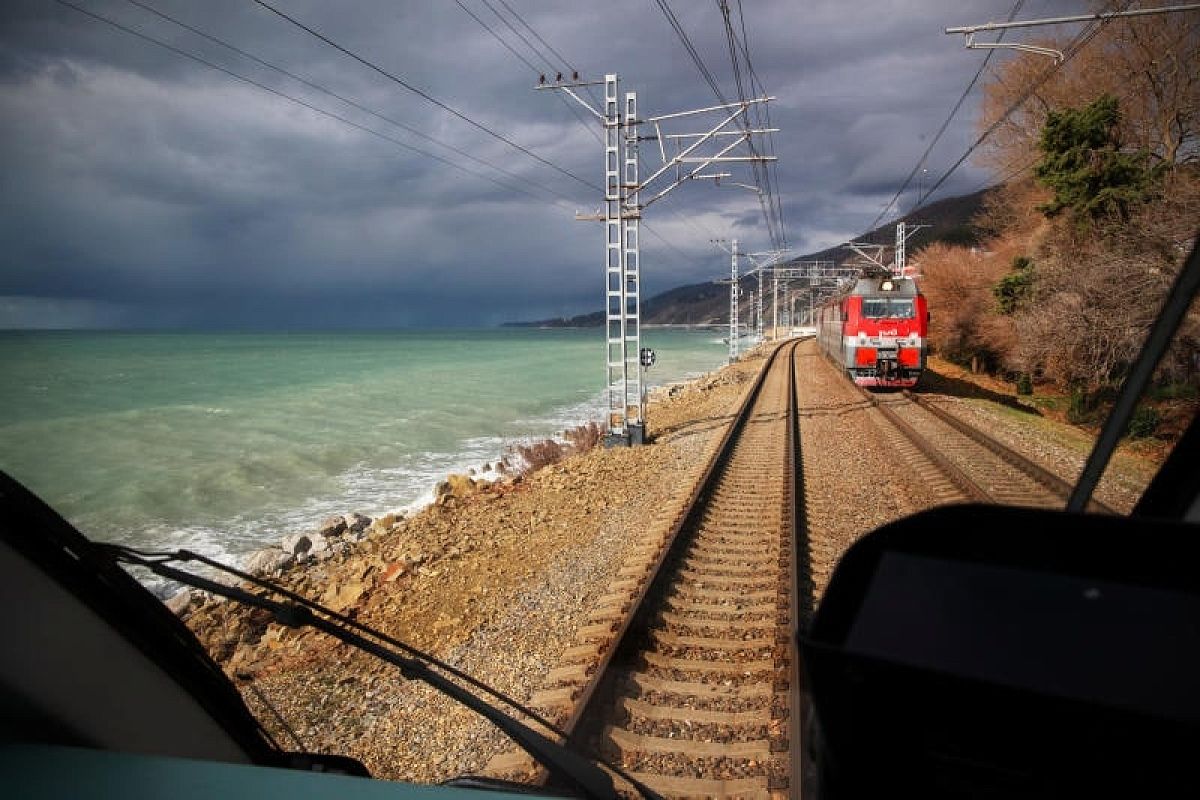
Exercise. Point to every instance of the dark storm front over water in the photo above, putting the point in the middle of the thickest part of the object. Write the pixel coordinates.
(224, 442)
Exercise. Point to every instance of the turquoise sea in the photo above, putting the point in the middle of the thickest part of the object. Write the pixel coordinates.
(223, 442)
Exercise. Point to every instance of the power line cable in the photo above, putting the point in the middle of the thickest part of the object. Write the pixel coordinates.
(1076, 45)
(711, 81)
(646, 226)
(989, 182)
(763, 115)
(498, 37)
(650, 230)
(426, 96)
(690, 48)
(336, 117)
(761, 179)
(536, 71)
(343, 99)
(953, 111)
(538, 36)
(741, 92)
(290, 98)
(570, 67)
(772, 208)
(517, 33)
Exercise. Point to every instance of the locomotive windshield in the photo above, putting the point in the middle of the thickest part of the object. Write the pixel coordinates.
(887, 308)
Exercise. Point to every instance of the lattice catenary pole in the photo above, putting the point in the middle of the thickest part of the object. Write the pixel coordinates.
(615, 304)
(733, 305)
(631, 211)
(623, 208)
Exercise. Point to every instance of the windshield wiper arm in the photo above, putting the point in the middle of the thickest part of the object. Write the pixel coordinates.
(565, 765)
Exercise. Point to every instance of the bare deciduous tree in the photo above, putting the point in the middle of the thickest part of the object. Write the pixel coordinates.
(1150, 63)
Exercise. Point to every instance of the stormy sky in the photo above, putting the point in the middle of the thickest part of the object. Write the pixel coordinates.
(142, 188)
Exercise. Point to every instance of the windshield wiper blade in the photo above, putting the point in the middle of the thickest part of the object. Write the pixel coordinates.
(563, 764)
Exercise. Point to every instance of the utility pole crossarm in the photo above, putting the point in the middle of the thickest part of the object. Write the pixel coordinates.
(740, 106)
(1103, 15)
(692, 175)
(725, 159)
(861, 248)
(721, 133)
(621, 214)
(691, 148)
(969, 31)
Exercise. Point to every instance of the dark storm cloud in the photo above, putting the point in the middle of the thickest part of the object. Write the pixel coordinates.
(144, 188)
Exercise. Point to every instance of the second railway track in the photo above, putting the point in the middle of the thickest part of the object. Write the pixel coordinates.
(980, 468)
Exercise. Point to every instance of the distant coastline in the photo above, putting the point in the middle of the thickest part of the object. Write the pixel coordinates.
(561, 324)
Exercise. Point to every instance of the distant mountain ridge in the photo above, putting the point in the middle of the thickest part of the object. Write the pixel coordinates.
(708, 303)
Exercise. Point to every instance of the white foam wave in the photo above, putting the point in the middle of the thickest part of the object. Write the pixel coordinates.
(374, 489)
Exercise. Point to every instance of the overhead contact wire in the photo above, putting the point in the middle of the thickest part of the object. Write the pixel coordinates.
(570, 106)
(690, 48)
(953, 111)
(1077, 44)
(761, 181)
(348, 101)
(763, 115)
(426, 96)
(290, 98)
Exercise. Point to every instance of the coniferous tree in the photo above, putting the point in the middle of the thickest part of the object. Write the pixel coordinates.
(1083, 163)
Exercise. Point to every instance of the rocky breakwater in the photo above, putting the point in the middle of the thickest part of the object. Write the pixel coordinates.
(495, 577)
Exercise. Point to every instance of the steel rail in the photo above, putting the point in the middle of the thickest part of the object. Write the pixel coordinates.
(697, 506)
(801, 777)
(688, 514)
(956, 474)
(1036, 471)
(703, 486)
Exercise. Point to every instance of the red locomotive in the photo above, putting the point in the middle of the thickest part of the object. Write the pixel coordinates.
(876, 331)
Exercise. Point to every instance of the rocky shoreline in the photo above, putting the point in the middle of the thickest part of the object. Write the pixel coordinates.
(497, 576)
(494, 577)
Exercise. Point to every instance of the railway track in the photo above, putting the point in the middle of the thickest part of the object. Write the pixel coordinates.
(697, 702)
(686, 675)
(690, 690)
(973, 466)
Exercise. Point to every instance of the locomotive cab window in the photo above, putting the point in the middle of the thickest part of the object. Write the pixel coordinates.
(875, 307)
(885, 308)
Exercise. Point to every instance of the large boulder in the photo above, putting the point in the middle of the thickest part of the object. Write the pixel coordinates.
(179, 602)
(299, 544)
(320, 548)
(333, 526)
(341, 596)
(456, 486)
(358, 522)
(269, 561)
(384, 525)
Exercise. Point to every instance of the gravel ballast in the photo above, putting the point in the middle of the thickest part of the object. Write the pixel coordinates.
(498, 578)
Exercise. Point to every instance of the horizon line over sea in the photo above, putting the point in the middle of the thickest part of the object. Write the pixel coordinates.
(223, 441)
(285, 330)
